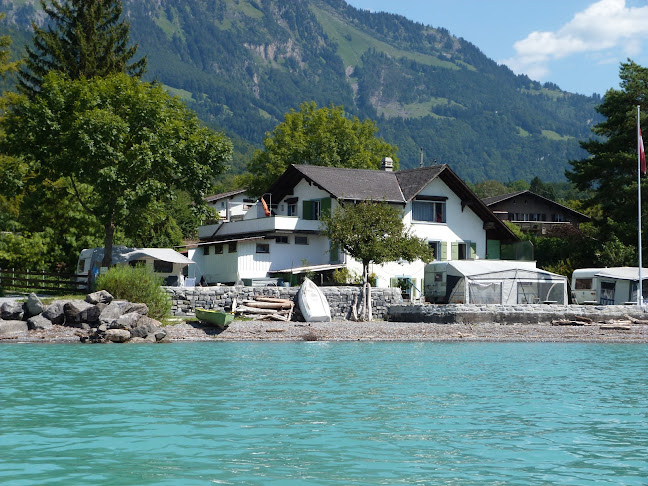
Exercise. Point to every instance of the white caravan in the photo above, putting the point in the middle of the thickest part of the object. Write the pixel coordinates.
(608, 286)
(165, 262)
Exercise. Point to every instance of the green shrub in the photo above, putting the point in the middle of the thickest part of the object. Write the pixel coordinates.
(137, 284)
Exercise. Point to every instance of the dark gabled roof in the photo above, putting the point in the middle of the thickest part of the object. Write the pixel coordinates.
(502, 197)
(344, 184)
(490, 201)
(224, 195)
(413, 181)
(378, 185)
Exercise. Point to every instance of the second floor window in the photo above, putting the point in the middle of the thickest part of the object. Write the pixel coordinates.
(429, 211)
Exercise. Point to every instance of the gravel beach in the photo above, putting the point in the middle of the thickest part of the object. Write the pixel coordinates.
(241, 330)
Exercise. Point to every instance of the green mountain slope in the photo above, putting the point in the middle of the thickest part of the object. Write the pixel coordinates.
(242, 64)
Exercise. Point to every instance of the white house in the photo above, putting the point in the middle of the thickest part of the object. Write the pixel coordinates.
(231, 205)
(436, 204)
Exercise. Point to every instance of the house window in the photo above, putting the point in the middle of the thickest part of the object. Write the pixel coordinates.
(206, 250)
(282, 240)
(218, 249)
(291, 206)
(263, 248)
(312, 210)
(231, 247)
(135, 263)
(162, 267)
(463, 251)
(436, 248)
(315, 214)
(301, 240)
(429, 211)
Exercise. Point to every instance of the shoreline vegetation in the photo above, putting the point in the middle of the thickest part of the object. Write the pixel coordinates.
(338, 331)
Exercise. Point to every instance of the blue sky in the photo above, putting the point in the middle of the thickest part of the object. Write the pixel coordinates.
(576, 44)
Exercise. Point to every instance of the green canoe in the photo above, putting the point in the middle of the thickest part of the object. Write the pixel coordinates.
(217, 318)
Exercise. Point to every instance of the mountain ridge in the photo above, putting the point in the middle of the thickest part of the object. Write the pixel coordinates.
(242, 64)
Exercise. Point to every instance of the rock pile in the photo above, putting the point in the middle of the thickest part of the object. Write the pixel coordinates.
(99, 318)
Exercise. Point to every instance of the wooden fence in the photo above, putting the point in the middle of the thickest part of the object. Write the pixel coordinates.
(41, 280)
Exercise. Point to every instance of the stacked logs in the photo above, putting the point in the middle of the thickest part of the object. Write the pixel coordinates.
(265, 308)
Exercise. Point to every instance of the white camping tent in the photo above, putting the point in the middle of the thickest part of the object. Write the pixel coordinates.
(493, 282)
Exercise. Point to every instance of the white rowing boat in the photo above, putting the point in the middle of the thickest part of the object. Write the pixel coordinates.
(312, 303)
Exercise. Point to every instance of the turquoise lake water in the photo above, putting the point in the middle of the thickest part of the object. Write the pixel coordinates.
(324, 413)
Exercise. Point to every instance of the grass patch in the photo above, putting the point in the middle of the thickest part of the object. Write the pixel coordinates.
(551, 135)
(351, 50)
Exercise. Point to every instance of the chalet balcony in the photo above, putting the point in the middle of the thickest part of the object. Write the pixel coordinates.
(259, 225)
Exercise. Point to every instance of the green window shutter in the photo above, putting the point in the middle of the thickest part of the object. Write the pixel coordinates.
(307, 210)
(444, 250)
(455, 250)
(473, 249)
(325, 206)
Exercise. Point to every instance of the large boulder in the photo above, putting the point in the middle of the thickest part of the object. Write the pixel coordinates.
(55, 312)
(126, 321)
(110, 313)
(33, 306)
(11, 311)
(117, 335)
(145, 326)
(141, 309)
(78, 312)
(12, 327)
(38, 323)
(99, 297)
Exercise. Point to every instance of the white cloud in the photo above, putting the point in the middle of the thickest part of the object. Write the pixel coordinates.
(607, 28)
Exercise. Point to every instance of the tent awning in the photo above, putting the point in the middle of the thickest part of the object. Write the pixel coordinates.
(310, 268)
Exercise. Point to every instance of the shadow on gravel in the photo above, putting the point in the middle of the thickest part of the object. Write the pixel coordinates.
(209, 330)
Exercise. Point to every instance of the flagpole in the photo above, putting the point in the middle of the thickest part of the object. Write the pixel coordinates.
(639, 150)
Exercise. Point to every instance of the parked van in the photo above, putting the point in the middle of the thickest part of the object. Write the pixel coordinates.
(165, 262)
(608, 286)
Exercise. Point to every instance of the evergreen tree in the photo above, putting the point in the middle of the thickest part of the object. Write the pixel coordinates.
(85, 38)
(610, 172)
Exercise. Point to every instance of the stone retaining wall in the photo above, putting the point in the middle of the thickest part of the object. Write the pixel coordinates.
(508, 314)
(340, 299)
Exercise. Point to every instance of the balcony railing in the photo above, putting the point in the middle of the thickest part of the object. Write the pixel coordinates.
(259, 225)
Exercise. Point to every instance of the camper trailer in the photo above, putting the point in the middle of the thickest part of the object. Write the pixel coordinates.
(165, 262)
(492, 282)
(608, 286)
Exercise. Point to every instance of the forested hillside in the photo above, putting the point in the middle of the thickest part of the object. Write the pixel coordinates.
(242, 64)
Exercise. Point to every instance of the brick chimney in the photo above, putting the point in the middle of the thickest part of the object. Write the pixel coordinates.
(387, 164)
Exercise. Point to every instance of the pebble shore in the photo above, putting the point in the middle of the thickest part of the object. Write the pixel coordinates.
(243, 330)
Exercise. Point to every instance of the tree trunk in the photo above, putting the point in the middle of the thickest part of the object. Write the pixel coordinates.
(369, 310)
(108, 244)
(366, 305)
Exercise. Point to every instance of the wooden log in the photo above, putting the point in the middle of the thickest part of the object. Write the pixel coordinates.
(273, 299)
(634, 320)
(255, 310)
(275, 330)
(267, 305)
(614, 327)
(566, 322)
(583, 318)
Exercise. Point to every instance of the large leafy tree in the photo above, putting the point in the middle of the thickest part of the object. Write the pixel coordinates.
(85, 38)
(373, 232)
(126, 147)
(609, 174)
(317, 136)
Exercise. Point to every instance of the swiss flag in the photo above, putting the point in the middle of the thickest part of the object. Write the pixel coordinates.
(642, 154)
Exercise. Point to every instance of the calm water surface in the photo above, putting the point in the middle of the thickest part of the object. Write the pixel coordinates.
(324, 413)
